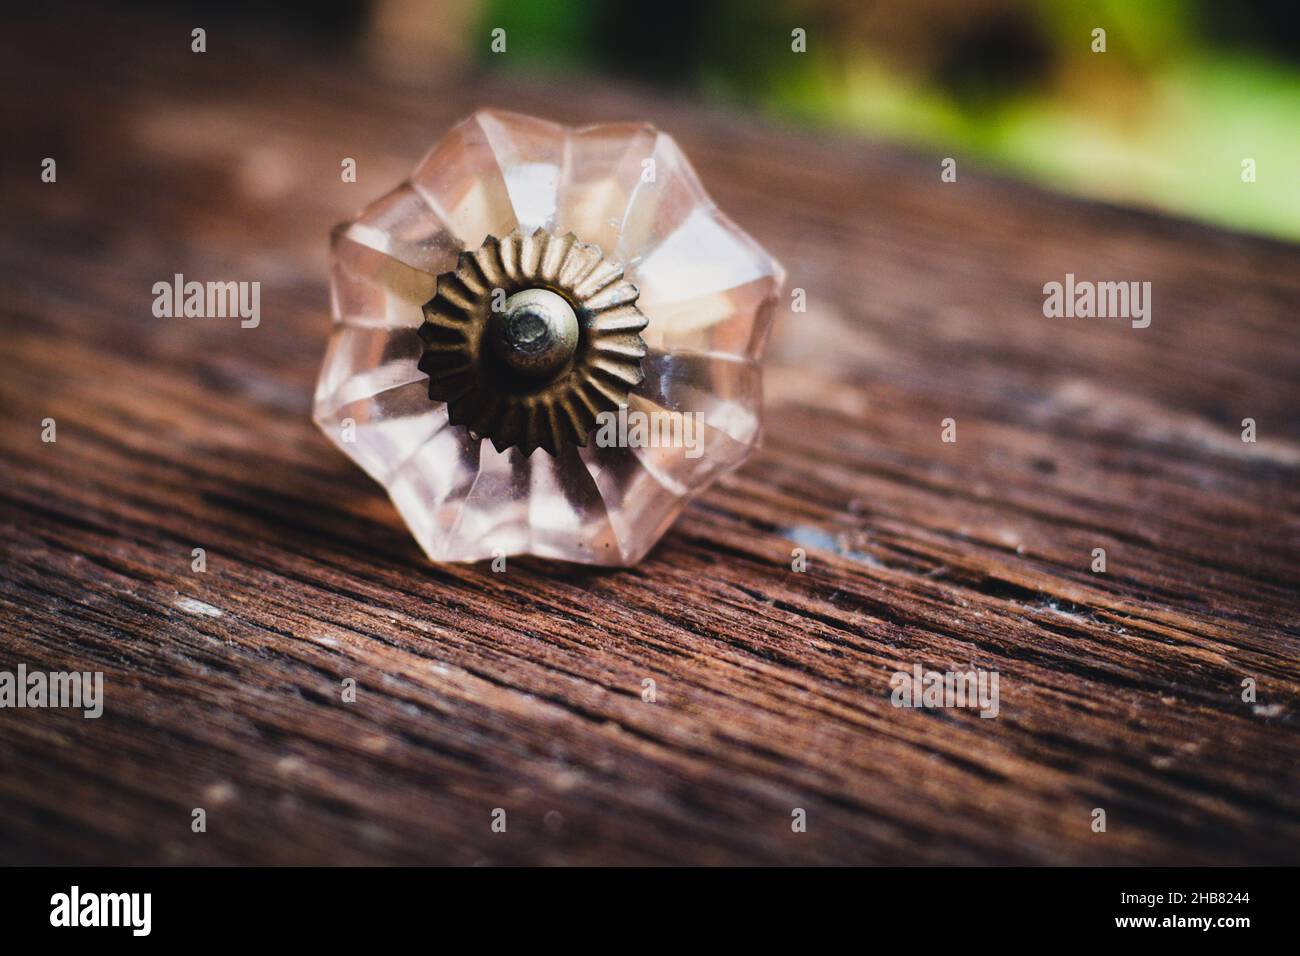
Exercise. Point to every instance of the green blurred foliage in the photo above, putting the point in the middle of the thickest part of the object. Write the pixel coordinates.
(1185, 90)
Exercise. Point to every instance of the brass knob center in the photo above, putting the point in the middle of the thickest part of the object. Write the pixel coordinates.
(537, 369)
(536, 333)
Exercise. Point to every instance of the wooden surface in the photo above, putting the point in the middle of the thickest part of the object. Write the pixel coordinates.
(522, 690)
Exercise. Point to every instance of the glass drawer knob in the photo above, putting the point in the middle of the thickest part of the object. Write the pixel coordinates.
(545, 341)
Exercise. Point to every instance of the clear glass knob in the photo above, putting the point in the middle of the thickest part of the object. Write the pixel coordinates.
(545, 341)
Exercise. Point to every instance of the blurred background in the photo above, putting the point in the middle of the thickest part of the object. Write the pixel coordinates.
(1184, 91)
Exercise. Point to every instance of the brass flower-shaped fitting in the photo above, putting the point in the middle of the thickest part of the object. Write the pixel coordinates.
(530, 338)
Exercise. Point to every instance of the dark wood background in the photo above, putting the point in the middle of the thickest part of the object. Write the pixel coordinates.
(522, 690)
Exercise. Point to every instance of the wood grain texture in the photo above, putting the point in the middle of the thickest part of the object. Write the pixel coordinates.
(523, 690)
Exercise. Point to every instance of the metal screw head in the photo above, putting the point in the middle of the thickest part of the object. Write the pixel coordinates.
(536, 333)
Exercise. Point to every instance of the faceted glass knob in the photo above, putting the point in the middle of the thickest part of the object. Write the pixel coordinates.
(545, 341)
